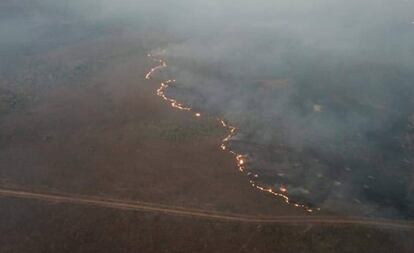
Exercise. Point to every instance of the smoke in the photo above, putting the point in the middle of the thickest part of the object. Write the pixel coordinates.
(322, 94)
(321, 90)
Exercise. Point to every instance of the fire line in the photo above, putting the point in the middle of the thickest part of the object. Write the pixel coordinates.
(241, 160)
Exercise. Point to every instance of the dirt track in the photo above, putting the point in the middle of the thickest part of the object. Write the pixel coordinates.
(200, 213)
